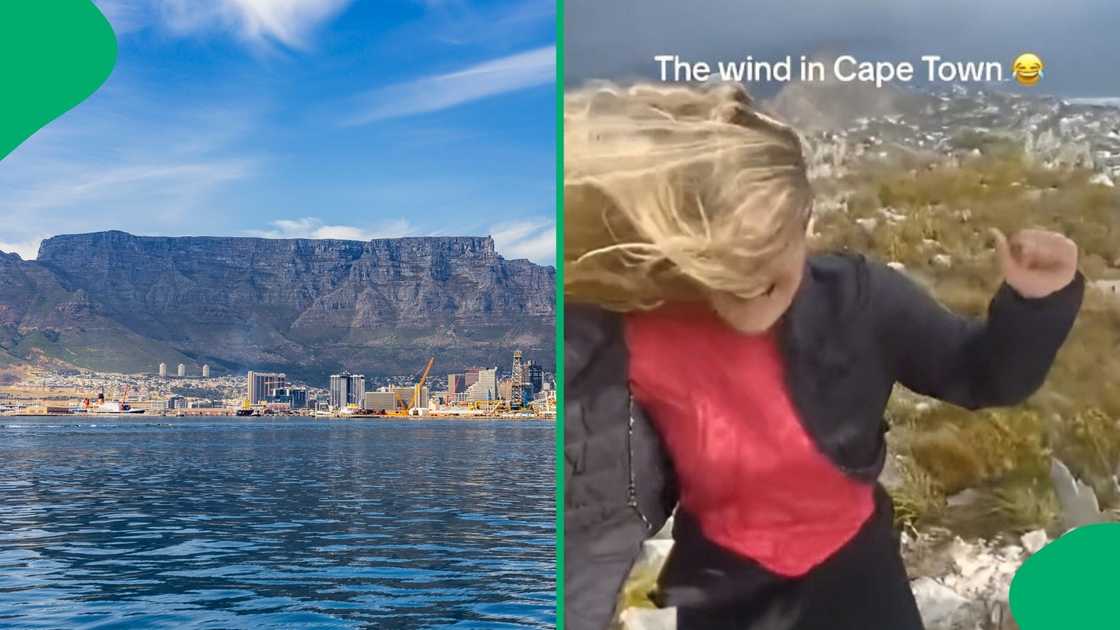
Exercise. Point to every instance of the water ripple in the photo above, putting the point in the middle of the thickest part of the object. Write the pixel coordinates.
(276, 524)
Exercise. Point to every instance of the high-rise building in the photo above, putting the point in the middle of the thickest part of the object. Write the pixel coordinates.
(455, 383)
(163, 370)
(536, 377)
(357, 389)
(470, 377)
(505, 389)
(516, 399)
(206, 371)
(182, 370)
(347, 389)
(340, 390)
(263, 385)
(488, 384)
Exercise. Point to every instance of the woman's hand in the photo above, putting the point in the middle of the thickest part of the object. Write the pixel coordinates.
(1036, 263)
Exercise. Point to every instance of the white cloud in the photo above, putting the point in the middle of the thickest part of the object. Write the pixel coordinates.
(27, 250)
(311, 227)
(261, 24)
(442, 91)
(533, 240)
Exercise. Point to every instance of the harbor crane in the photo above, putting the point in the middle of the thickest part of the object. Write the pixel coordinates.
(404, 408)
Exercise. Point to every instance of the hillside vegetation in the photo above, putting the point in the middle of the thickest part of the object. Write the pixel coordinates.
(933, 217)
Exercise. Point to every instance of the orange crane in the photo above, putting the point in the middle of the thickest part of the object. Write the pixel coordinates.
(418, 389)
(403, 407)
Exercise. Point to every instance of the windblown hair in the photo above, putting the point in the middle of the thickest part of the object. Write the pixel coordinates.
(672, 192)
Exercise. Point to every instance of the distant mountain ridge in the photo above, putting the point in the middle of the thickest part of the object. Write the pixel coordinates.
(113, 301)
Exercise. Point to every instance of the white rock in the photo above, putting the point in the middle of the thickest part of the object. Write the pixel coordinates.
(943, 261)
(649, 619)
(897, 266)
(1034, 541)
(1102, 179)
(937, 602)
(868, 224)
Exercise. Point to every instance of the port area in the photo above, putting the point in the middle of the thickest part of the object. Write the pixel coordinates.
(453, 414)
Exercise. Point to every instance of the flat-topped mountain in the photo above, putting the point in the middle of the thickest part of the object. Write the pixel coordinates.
(114, 301)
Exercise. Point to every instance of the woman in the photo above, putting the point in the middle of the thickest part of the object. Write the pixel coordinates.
(765, 371)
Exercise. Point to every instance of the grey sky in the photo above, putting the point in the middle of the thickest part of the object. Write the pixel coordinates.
(1077, 39)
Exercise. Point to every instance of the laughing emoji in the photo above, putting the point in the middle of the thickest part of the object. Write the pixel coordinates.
(1027, 69)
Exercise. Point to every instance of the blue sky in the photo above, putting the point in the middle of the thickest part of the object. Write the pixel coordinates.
(305, 118)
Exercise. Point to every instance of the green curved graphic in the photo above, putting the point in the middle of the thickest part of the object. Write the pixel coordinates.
(1071, 584)
(53, 55)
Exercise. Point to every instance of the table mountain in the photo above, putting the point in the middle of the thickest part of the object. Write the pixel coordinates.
(112, 301)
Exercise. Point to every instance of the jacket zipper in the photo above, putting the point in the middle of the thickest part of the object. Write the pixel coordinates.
(632, 491)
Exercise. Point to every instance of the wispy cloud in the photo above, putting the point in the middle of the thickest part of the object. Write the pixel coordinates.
(124, 160)
(533, 240)
(442, 91)
(263, 25)
(311, 227)
(461, 22)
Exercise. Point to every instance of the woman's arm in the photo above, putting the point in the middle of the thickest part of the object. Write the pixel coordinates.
(977, 363)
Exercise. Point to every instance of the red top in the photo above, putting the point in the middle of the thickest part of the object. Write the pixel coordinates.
(748, 471)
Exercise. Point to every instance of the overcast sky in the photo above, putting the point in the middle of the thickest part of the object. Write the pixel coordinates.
(1077, 39)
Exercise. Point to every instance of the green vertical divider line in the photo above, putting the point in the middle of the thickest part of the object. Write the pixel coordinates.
(560, 314)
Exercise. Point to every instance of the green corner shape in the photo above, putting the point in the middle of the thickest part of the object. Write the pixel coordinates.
(53, 55)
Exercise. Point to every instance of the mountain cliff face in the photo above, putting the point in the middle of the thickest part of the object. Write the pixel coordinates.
(114, 301)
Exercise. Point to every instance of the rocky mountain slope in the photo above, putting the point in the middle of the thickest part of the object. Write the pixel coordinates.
(117, 302)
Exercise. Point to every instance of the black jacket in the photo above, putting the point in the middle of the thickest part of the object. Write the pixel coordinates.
(854, 329)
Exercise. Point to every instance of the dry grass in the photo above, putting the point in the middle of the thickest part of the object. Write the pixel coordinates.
(1004, 453)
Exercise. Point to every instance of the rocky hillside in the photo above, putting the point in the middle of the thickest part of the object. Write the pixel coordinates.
(117, 302)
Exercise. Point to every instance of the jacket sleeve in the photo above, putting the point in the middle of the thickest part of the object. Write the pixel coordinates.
(972, 363)
(618, 486)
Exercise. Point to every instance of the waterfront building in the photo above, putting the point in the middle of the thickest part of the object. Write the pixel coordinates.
(488, 381)
(176, 402)
(379, 401)
(470, 377)
(486, 388)
(357, 389)
(294, 397)
(163, 370)
(347, 389)
(455, 383)
(182, 370)
(206, 371)
(263, 385)
(516, 398)
(505, 389)
(340, 390)
(536, 377)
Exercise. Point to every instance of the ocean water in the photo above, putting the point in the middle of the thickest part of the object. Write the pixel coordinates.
(251, 523)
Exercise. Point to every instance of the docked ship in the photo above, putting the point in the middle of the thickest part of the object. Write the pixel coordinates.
(247, 410)
(112, 407)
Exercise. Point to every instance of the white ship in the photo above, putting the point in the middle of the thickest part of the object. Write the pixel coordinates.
(110, 407)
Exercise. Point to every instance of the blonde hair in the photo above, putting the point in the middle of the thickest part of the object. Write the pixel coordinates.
(674, 191)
